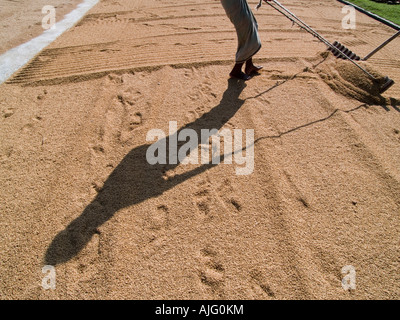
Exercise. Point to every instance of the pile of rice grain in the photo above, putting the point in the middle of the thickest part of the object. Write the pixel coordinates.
(347, 79)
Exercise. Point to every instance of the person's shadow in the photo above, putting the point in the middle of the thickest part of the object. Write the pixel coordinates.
(135, 180)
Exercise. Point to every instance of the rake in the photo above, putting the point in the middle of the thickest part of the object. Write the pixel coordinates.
(336, 48)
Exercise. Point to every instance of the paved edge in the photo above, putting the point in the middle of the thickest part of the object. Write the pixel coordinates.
(15, 58)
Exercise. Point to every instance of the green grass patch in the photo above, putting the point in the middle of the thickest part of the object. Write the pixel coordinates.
(390, 12)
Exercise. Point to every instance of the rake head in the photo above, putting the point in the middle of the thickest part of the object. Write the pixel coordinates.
(339, 51)
(386, 84)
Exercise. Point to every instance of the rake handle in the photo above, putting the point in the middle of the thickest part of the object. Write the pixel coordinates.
(369, 55)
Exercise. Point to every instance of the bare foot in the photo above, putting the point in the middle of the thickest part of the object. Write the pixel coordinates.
(240, 75)
(252, 69)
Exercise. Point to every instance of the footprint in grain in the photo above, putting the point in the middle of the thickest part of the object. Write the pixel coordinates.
(116, 78)
(157, 222)
(212, 272)
(191, 116)
(132, 116)
(8, 113)
(98, 149)
(260, 283)
(159, 218)
(226, 193)
(203, 199)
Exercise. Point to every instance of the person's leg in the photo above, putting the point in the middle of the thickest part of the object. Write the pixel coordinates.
(251, 68)
(237, 72)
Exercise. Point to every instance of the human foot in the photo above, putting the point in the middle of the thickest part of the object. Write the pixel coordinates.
(252, 69)
(240, 75)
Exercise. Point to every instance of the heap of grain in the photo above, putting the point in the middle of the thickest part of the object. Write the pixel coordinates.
(347, 79)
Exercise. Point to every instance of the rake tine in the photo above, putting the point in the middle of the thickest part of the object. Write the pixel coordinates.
(347, 52)
(342, 51)
(353, 56)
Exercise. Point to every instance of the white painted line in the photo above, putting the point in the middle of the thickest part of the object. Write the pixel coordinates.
(14, 59)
